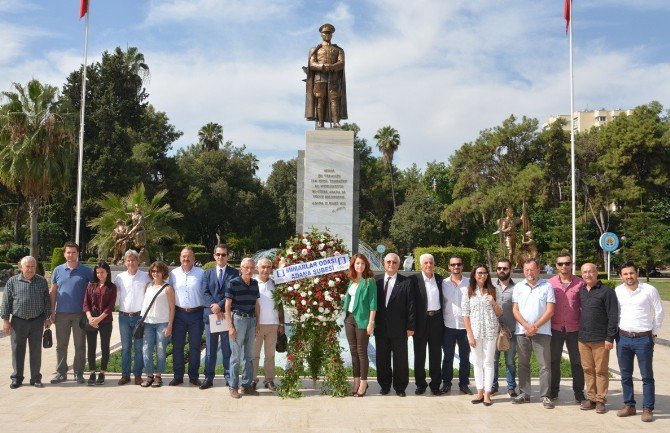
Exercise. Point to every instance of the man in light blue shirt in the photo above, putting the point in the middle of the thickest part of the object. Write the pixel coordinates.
(68, 287)
(534, 301)
(186, 281)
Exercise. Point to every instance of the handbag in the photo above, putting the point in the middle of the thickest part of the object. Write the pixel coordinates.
(282, 343)
(47, 339)
(83, 322)
(138, 331)
(504, 336)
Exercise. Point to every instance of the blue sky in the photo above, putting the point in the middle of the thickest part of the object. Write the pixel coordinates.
(438, 71)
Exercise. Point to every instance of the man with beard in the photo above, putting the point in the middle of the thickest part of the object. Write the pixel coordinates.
(504, 289)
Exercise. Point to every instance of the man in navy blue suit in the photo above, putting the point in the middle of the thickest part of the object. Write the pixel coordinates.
(213, 288)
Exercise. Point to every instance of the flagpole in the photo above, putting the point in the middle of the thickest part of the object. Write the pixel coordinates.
(80, 169)
(572, 151)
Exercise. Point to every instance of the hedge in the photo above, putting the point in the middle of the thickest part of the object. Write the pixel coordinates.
(441, 254)
(199, 250)
(57, 257)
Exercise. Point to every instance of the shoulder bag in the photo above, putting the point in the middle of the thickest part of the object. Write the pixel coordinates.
(138, 331)
(504, 336)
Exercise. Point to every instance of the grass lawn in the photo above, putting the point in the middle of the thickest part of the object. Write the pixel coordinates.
(662, 284)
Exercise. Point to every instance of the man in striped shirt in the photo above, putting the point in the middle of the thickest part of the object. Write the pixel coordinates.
(242, 310)
(26, 299)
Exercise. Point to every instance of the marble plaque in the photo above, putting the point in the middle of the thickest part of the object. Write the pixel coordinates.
(328, 185)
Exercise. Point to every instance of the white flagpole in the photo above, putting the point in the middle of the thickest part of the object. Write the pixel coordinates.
(572, 151)
(81, 129)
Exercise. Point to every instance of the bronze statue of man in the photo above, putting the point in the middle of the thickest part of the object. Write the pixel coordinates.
(507, 230)
(326, 95)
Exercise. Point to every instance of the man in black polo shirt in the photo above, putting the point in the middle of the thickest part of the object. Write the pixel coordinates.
(242, 309)
(27, 300)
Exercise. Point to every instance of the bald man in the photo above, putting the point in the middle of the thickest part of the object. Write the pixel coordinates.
(395, 322)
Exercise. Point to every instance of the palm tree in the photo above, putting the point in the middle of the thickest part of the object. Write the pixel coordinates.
(36, 146)
(388, 141)
(210, 136)
(156, 217)
(135, 62)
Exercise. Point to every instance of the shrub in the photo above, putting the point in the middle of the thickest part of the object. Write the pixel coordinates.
(440, 270)
(6, 265)
(209, 265)
(57, 257)
(442, 254)
(203, 257)
(17, 252)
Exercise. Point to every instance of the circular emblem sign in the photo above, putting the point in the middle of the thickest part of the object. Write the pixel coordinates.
(381, 249)
(609, 242)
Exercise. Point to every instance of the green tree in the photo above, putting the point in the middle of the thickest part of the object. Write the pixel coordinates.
(158, 218)
(210, 136)
(282, 188)
(36, 146)
(415, 222)
(388, 141)
(646, 239)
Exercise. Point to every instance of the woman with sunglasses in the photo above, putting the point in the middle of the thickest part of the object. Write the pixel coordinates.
(480, 316)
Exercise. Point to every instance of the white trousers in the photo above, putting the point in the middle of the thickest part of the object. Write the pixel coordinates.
(481, 357)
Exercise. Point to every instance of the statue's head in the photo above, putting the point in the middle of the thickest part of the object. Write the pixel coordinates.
(119, 223)
(509, 212)
(327, 31)
(138, 208)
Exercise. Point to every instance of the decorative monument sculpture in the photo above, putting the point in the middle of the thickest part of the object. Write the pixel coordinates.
(507, 228)
(326, 93)
(507, 231)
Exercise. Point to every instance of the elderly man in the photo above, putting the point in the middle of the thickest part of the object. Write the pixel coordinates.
(395, 323)
(597, 329)
(26, 299)
(429, 326)
(640, 318)
(504, 290)
(242, 310)
(130, 286)
(565, 327)
(533, 307)
(454, 289)
(68, 287)
(270, 323)
(214, 283)
(187, 281)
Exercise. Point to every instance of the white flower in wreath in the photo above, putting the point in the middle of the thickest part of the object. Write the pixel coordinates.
(309, 293)
(331, 243)
(303, 252)
(303, 302)
(305, 241)
(315, 303)
(321, 309)
(292, 301)
(316, 281)
(296, 286)
(321, 246)
(290, 289)
(326, 310)
(324, 254)
(337, 253)
(331, 283)
(289, 251)
(337, 279)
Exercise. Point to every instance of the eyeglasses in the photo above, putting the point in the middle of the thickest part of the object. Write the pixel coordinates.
(266, 267)
(221, 254)
(454, 265)
(502, 268)
(481, 274)
(563, 263)
(392, 262)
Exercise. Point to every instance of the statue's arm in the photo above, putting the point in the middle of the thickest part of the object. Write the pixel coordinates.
(314, 64)
(339, 64)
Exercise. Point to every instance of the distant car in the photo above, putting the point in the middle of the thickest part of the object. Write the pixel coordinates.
(654, 273)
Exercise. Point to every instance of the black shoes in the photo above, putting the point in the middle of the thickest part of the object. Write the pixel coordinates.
(175, 382)
(195, 382)
(465, 390)
(420, 390)
(384, 391)
(15, 384)
(446, 389)
(91, 379)
(206, 384)
(58, 378)
(101, 379)
(79, 377)
(400, 394)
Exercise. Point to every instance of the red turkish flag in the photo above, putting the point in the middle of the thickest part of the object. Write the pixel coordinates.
(83, 8)
(566, 14)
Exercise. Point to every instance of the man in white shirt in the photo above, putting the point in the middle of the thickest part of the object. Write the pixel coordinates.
(130, 287)
(640, 318)
(270, 324)
(533, 307)
(454, 289)
(186, 281)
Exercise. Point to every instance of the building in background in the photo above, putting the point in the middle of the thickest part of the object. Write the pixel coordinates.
(586, 119)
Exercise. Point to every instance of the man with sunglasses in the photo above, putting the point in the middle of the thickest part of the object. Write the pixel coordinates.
(504, 289)
(565, 327)
(213, 288)
(454, 289)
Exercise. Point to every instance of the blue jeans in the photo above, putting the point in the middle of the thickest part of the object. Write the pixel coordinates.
(245, 327)
(626, 350)
(154, 336)
(191, 323)
(126, 326)
(213, 341)
(450, 338)
(509, 364)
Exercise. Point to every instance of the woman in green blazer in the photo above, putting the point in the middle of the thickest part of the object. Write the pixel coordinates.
(360, 306)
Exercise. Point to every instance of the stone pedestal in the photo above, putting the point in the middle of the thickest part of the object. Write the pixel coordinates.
(328, 176)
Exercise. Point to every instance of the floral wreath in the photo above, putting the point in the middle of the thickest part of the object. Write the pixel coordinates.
(315, 304)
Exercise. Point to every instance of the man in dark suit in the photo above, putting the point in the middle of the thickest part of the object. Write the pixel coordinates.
(429, 326)
(395, 322)
(213, 288)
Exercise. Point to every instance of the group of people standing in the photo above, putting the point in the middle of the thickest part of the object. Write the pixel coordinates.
(438, 312)
(543, 316)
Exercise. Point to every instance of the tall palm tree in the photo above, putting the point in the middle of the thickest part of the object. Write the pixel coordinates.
(36, 146)
(135, 62)
(210, 136)
(388, 141)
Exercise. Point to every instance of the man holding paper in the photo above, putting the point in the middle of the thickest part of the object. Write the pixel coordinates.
(214, 283)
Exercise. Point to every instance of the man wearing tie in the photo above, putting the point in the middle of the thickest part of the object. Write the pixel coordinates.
(395, 322)
(429, 326)
(213, 287)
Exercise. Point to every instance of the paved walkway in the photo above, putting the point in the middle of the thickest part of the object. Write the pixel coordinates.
(70, 407)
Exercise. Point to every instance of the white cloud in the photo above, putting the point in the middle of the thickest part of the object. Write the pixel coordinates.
(161, 12)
